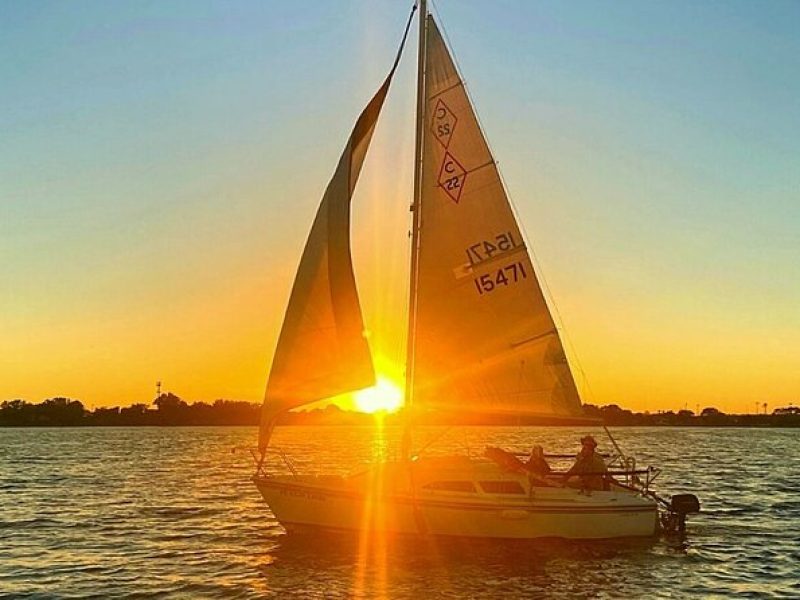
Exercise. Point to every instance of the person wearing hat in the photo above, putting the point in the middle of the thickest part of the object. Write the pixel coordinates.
(589, 466)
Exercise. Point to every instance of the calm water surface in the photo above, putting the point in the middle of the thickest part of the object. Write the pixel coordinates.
(170, 512)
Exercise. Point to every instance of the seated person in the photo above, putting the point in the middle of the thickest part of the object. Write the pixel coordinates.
(536, 462)
(537, 469)
(589, 466)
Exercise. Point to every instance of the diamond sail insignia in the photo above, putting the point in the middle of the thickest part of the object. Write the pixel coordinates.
(484, 340)
(321, 350)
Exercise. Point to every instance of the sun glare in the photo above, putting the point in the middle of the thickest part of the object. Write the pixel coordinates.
(384, 395)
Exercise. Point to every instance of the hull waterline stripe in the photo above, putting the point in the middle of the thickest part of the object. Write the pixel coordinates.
(430, 503)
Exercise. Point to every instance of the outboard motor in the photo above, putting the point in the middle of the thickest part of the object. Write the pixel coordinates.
(681, 505)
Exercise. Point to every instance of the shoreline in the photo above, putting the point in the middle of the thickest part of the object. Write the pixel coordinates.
(169, 410)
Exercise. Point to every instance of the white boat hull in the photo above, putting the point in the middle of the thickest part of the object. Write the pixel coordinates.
(302, 503)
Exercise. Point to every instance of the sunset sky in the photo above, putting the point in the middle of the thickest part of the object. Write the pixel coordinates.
(161, 162)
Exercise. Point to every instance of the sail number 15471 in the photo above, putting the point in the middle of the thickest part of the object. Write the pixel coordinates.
(486, 249)
(503, 276)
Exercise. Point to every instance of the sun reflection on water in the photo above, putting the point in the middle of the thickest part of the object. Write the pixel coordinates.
(372, 541)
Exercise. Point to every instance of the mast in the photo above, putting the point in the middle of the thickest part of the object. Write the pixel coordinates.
(415, 225)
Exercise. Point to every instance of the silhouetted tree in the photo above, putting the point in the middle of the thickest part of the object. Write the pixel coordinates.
(169, 402)
(614, 415)
(105, 416)
(592, 411)
(171, 410)
(135, 414)
(61, 411)
(15, 413)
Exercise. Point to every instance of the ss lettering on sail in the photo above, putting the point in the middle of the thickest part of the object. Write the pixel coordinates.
(443, 123)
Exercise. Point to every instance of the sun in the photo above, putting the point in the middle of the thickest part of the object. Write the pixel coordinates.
(384, 395)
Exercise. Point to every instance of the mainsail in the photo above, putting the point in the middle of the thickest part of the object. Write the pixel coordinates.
(321, 349)
(484, 339)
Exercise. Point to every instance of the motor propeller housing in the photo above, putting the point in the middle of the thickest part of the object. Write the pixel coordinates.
(680, 505)
(685, 504)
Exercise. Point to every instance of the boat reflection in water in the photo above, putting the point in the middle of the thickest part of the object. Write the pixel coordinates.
(457, 567)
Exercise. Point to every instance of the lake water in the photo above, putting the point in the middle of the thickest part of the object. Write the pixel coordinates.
(171, 512)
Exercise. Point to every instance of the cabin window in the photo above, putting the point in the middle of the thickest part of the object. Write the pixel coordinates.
(502, 487)
(451, 486)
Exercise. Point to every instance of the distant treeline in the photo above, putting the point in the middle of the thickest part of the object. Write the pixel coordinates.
(709, 417)
(169, 409)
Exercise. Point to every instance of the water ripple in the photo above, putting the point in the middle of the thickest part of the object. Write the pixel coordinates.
(170, 512)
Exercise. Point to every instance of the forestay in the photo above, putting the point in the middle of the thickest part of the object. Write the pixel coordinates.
(484, 339)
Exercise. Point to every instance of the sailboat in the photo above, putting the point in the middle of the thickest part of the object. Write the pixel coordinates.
(481, 341)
